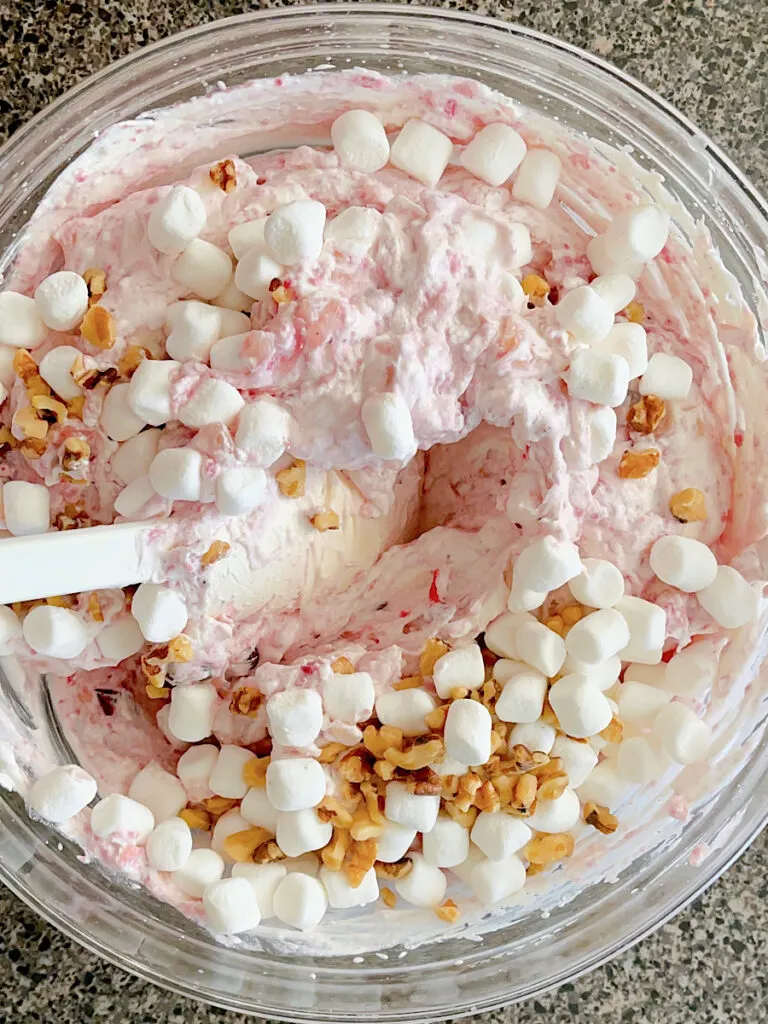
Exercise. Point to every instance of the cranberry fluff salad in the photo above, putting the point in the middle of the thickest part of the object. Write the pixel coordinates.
(441, 433)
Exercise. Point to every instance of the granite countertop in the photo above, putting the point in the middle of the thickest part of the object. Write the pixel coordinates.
(709, 58)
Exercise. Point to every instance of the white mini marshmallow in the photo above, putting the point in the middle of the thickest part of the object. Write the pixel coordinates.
(424, 885)
(62, 793)
(598, 636)
(494, 154)
(295, 717)
(597, 377)
(683, 562)
(537, 178)
(641, 761)
(522, 698)
(158, 790)
(55, 632)
(240, 489)
(411, 810)
(556, 815)
(512, 290)
(170, 845)
(229, 824)
(581, 708)
(354, 230)
(193, 329)
(395, 841)
(21, 325)
(255, 272)
(540, 647)
(295, 783)
(349, 698)
(532, 735)
(234, 322)
(203, 269)
(578, 758)
(56, 371)
(160, 612)
(499, 835)
(505, 669)
(584, 315)
(262, 431)
(462, 667)
(492, 881)
(729, 598)
(192, 709)
(7, 372)
(667, 377)
(629, 341)
(294, 232)
(446, 844)
(601, 429)
(118, 420)
(176, 474)
(300, 901)
(300, 832)
(604, 786)
(203, 867)
(421, 151)
(603, 675)
(633, 237)
(135, 501)
(230, 906)
(405, 710)
(692, 670)
(639, 703)
(26, 508)
(600, 584)
(10, 630)
(468, 727)
(264, 880)
(194, 769)
(647, 630)
(521, 599)
(682, 734)
(246, 236)
(360, 142)
(212, 401)
(134, 457)
(500, 634)
(616, 290)
(176, 219)
(122, 820)
(62, 300)
(120, 640)
(547, 564)
(257, 809)
(388, 424)
(652, 675)
(226, 779)
(342, 896)
(150, 390)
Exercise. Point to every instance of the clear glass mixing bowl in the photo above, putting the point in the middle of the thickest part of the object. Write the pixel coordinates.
(531, 951)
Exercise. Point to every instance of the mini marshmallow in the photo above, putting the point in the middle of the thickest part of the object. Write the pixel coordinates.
(506, 668)
(547, 564)
(616, 290)
(203, 269)
(692, 670)
(170, 845)
(255, 272)
(388, 424)
(212, 401)
(540, 647)
(500, 634)
(295, 783)
(462, 667)
(264, 880)
(203, 867)
(56, 371)
(601, 430)
(7, 372)
(647, 630)
(21, 325)
(134, 457)
(532, 735)
(150, 390)
(597, 377)
(604, 786)
(603, 675)
(194, 769)
(295, 717)
(342, 896)
(122, 820)
(135, 501)
(257, 809)
(584, 315)
(639, 703)
(300, 832)
(411, 810)
(421, 151)
(682, 734)
(467, 734)
(598, 636)
(578, 758)
(232, 320)
(395, 841)
(118, 420)
(229, 824)
(446, 844)
(26, 508)
(581, 708)
(246, 236)
(523, 600)
(158, 790)
(193, 328)
(230, 906)
(349, 698)
(629, 341)
(262, 431)
(55, 632)
(492, 881)
(556, 815)
(354, 230)
(192, 709)
(633, 237)
(729, 598)
(512, 290)
(424, 885)
(176, 474)
(522, 698)
(600, 584)
(494, 154)
(653, 675)
(62, 793)
(639, 760)
(240, 489)
(499, 835)
(226, 779)
(666, 377)
(683, 562)
(537, 178)
(294, 232)
(10, 630)
(300, 901)
(405, 710)
(62, 300)
(176, 219)
(360, 142)
(160, 612)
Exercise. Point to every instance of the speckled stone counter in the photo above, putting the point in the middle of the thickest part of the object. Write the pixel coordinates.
(709, 58)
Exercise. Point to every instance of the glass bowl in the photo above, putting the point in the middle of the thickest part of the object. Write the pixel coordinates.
(566, 934)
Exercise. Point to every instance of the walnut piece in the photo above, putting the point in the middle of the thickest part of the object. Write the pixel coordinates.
(334, 853)
(245, 701)
(94, 607)
(636, 465)
(433, 649)
(549, 848)
(255, 772)
(323, 521)
(552, 787)
(27, 423)
(600, 818)
(646, 414)
(196, 817)
(131, 359)
(448, 911)
(536, 288)
(241, 846)
(96, 280)
(419, 756)
(635, 312)
(388, 898)
(688, 505)
(224, 175)
(343, 667)
(397, 869)
(216, 551)
(292, 479)
(98, 327)
(49, 409)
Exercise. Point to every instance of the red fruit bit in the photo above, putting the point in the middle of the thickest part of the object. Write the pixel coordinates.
(738, 438)
(405, 613)
(307, 670)
(450, 108)
(434, 596)
(261, 181)
(581, 160)
(525, 452)
(667, 656)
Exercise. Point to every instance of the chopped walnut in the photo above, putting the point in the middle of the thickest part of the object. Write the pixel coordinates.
(635, 312)
(549, 848)
(363, 828)
(571, 614)
(98, 327)
(24, 366)
(215, 552)
(76, 407)
(556, 623)
(91, 379)
(6, 437)
(323, 521)
(385, 770)
(419, 756)
(331, 809)
(49, 409)
(688, 506)
(131, 359)
(343, 667)
(94, 608)
(614, 731)
(433, 649)
(505, 787)
(224, 175)
(646, 414)
(374, 803)
(330, 752)
(29, 424)
(465, 818)
(267, 853)
(448, 911)
(196, 817)
(600, 818)
(378, 741)
(76, 453)
(552, 787)
(359, 860)
(388, 898)
(292, 479)
(408, 683)
(334, 853)
(255, 772)
(459, 693)
(96, 280)
(281, 292)
(218, 805)
(526, 788)
(536, 288)
(62, 601)
(554, 766)
(486, 798)
(241, 846)
(521, 759)
(245, 701)
(468, 787)
(435, 719)
(155, 692)
(352, 766)
(636, 465)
